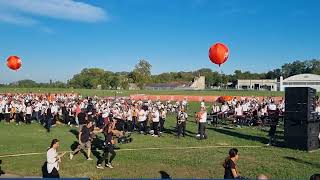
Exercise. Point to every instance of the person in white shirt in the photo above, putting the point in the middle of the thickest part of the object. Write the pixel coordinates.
(202, 118)
(53, 160)
(142, 120)
(37, 108)
(28, 113)
(215, 110)
(224, 110)
(238, 112)
(155, 121)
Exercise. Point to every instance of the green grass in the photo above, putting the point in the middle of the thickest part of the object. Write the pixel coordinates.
(277, 163)
(93, 92)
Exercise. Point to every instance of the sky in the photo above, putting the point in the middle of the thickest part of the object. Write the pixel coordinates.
(58, 38)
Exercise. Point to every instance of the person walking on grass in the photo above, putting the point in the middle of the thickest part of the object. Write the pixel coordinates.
(53, 160)
(84, 141)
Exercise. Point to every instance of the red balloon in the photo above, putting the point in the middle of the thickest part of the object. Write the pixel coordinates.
(218, 53)
(14, 62)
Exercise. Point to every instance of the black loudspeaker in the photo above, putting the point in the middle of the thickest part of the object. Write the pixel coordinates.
(300, 103)
(302, 125)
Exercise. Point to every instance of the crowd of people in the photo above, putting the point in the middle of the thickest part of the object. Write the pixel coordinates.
(117, 118)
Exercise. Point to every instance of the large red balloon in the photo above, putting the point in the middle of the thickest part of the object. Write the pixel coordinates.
(218, 53)
(14, 62)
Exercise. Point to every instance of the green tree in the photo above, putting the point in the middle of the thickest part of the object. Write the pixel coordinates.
(142, 73)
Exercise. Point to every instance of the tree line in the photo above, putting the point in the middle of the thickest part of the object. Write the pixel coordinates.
(97, 78)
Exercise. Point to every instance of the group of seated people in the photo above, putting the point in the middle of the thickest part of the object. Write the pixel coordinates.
(250, 111)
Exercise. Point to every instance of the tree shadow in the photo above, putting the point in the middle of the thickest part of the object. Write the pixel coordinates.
(75, 132)
(173, 131)
(315, 165)
(164, 175)
(240, 135)
(74, 145)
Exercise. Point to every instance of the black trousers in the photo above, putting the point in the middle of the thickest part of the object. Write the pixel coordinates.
(19, 117)
(143, 126)
(162, 121)
(181, 129)
(28, 118)
(202, 127)
(155, 127)
(53, 174)
(130, 126)
(7, 117)
(108, 149)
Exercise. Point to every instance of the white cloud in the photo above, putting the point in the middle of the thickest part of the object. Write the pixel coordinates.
(17, 19)
(58, 9)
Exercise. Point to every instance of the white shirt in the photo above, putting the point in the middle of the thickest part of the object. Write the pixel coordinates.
(29, 110)
(215, 109)
(238, 111)
(203, 118)
(54, 109)
(37, 107)
(129, 115)
(52, 160)
(272, 107)
(142, 115)
(224, 108)
(156, 116)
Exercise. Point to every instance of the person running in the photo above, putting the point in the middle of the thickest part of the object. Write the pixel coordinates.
(53, 160)
(84, 141)
(109, 147)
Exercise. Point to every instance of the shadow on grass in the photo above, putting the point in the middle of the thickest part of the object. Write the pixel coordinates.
(240, 135)
(164, 175)
(315, 165)
(75, 132)
(173, 131)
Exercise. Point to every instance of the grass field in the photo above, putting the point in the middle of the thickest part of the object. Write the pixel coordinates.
(93, 92)
(276, 162)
